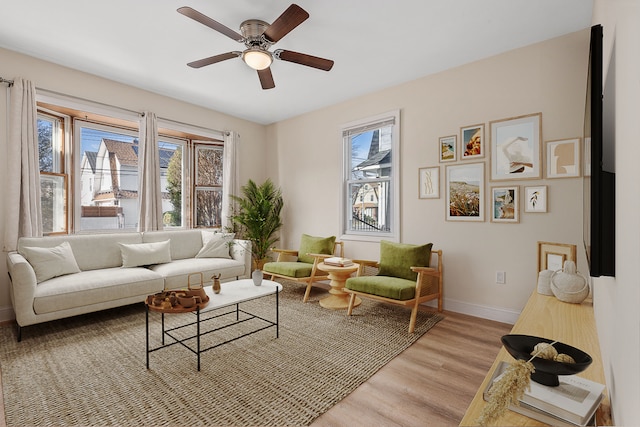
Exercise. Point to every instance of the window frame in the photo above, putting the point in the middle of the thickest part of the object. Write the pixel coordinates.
(68, 109)
(60, 162)
(360, 126)
(203, 145)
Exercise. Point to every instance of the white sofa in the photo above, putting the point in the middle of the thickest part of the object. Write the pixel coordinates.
(103, 282)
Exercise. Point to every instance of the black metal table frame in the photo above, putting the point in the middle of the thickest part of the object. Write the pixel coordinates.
(199, 334)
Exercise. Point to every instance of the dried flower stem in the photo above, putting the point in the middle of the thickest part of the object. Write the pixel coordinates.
(508, 390)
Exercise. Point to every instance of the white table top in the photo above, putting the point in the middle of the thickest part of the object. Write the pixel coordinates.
(238, 291)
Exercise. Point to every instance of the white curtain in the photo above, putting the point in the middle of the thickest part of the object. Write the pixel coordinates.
(149, 191)
(229, 176)
(22, 203)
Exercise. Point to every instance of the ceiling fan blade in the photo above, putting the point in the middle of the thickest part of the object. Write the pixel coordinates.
(290, 19)
(266, 78)
(213, 59)
(304, 59)
(205, 20)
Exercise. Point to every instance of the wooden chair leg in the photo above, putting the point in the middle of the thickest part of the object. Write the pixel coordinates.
(414, 314)
(352, 301)
(307, 292)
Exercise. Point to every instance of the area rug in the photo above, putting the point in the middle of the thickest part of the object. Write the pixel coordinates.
(91, 370)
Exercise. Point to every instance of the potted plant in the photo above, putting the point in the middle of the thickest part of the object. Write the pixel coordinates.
(258, 216)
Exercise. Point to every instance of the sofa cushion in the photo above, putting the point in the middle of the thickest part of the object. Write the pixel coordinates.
(315, 245)
(92, 251)
(396, 259)
(184, 243)
(139, 254)
(289, 269)
(384, 286)
(216, 245)
(176, 273)
(51, 262)
(95, 287)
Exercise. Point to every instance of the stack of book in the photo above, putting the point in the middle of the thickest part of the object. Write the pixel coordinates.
(572, 403)
(338, 262)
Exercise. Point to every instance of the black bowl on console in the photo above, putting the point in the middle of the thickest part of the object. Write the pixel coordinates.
(547, 371)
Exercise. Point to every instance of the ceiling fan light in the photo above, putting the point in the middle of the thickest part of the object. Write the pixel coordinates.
(257, 58)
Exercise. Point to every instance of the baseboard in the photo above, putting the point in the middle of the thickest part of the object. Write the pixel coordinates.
(491, 313)
(7, 314)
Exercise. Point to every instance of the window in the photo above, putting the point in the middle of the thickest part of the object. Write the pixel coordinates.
(96, 188)
(208, 188)
(172, 168)
(53, 179)
(371, 189)
(108, 180)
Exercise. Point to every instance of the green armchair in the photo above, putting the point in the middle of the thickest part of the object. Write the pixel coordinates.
(406, 275)
(301, 265)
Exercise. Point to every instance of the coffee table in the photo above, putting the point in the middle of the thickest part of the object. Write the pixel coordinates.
(231, 295)
(339, 299)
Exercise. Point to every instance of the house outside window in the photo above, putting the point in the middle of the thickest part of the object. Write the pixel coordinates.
(371, 183)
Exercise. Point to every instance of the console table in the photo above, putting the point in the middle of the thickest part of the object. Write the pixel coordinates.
(546, 316)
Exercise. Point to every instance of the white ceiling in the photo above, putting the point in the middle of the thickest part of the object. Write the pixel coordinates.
(375, 44)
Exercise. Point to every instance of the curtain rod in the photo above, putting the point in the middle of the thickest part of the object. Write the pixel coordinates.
(75, 98)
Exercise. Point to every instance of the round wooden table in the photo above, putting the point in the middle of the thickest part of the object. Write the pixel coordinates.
(339, 299)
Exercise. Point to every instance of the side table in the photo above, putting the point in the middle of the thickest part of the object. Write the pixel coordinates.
(338, 299)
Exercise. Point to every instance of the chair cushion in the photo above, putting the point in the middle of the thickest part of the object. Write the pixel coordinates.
(397, 258)
(290, 269)
(383, 286)
(315, 245)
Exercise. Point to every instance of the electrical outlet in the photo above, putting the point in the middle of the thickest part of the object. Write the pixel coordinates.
(501, 277)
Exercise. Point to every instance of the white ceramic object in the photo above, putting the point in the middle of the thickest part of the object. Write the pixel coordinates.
(569, 285)
(256, 276)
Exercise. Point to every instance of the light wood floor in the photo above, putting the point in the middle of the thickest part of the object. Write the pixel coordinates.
(429, 384)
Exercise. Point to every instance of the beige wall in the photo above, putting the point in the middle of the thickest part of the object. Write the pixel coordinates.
(616, 300)
(549, 77)
(59, 79)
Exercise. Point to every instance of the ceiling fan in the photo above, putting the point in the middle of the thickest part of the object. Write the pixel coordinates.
(258, 36)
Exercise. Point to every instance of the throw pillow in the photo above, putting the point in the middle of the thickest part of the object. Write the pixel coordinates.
(315, 245)
(51, 262)
(137, 254)
(397, 258)
(217, 245)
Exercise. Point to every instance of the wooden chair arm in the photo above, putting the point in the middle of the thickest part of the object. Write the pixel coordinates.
(364, 263)
(284, 253)
(319, 256)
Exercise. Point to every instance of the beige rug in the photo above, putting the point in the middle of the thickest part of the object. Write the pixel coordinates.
(90, 370)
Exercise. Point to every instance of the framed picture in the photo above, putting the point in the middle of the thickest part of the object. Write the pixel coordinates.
(448, 149)
(551, 256)
(465, 192)
(504, 204)
(472, 142)
(515, 148)
(535, 199)
(563, 158)
(429, 183)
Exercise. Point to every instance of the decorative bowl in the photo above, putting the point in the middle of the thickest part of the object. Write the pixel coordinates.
(547, 371)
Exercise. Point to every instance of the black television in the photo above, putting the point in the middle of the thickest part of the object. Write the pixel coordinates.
(599, 165)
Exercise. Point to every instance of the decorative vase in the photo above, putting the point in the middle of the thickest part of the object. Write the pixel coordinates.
(544, 282)
(257, 277)
(216, 284)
